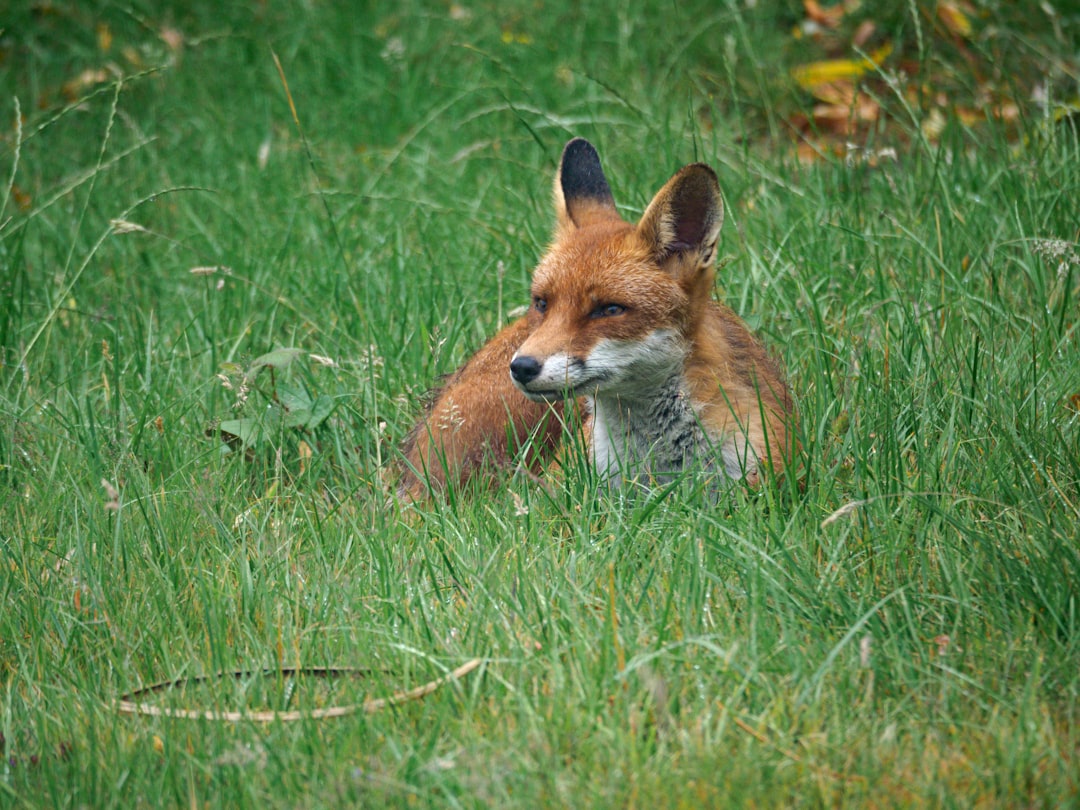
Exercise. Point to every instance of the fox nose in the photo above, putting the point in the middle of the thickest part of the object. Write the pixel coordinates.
(524, 369)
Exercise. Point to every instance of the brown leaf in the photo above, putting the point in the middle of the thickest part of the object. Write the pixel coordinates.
(810, 152)
(172, 38)
(955, 20)
(112, 494)
(841, 91)
(844, 118)
(22, 198)
(969, 117)
(104, 37)
(88, 78)
(133, 57)
(833, 118)
(1006, 111)
(862, 35)
(831, 16)
(799, 122)
(827, 17)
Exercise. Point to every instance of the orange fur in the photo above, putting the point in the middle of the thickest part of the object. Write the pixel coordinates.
(622, 319)
(478, 418)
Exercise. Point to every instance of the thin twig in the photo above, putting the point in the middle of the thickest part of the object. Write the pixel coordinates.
(125, 706)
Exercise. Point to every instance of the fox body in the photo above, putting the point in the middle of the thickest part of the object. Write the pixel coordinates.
(622, 322)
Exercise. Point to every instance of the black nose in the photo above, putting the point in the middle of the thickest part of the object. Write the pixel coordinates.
(524, 369)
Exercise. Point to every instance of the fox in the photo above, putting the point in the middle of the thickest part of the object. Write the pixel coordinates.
(621, 328)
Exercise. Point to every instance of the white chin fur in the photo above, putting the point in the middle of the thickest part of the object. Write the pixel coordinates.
(634, 368)
(630, 367)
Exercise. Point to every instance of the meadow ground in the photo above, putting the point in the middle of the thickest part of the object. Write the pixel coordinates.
(219, 313)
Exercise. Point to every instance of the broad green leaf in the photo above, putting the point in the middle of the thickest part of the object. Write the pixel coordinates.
(279, 359)
(320, 410)
(293, 397)
(248, 431)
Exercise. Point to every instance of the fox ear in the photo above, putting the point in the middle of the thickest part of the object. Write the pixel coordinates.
(685, 216)
(582, 194)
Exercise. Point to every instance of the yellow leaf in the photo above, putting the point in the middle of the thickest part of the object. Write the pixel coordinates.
(305, 454)
(1067, 109)
(832, 70)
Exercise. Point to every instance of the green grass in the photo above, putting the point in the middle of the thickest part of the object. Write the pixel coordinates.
(918, 647)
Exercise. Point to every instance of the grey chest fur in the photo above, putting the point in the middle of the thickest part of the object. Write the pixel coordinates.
(652, 436)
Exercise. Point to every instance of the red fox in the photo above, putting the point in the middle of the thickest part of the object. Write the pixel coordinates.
(621, 321)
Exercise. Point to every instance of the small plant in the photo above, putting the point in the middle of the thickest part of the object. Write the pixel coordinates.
(293, 408)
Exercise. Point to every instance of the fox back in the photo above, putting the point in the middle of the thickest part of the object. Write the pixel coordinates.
(621, 319)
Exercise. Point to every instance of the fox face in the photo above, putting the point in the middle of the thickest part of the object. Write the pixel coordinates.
(590, 335)
(613, 304)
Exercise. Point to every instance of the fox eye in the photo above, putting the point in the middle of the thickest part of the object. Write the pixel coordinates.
(540, 304)
(607, 311)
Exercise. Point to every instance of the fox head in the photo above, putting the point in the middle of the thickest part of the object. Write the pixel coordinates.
(615, 305)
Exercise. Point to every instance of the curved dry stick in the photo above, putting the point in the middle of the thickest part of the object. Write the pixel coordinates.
(368, 706)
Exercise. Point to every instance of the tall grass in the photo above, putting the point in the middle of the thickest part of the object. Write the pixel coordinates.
(896, 626)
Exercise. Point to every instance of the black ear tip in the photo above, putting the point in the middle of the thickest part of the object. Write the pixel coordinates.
(702, 175)
(698, 185)
(580, 173)
(579, 148)
(693, 208)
